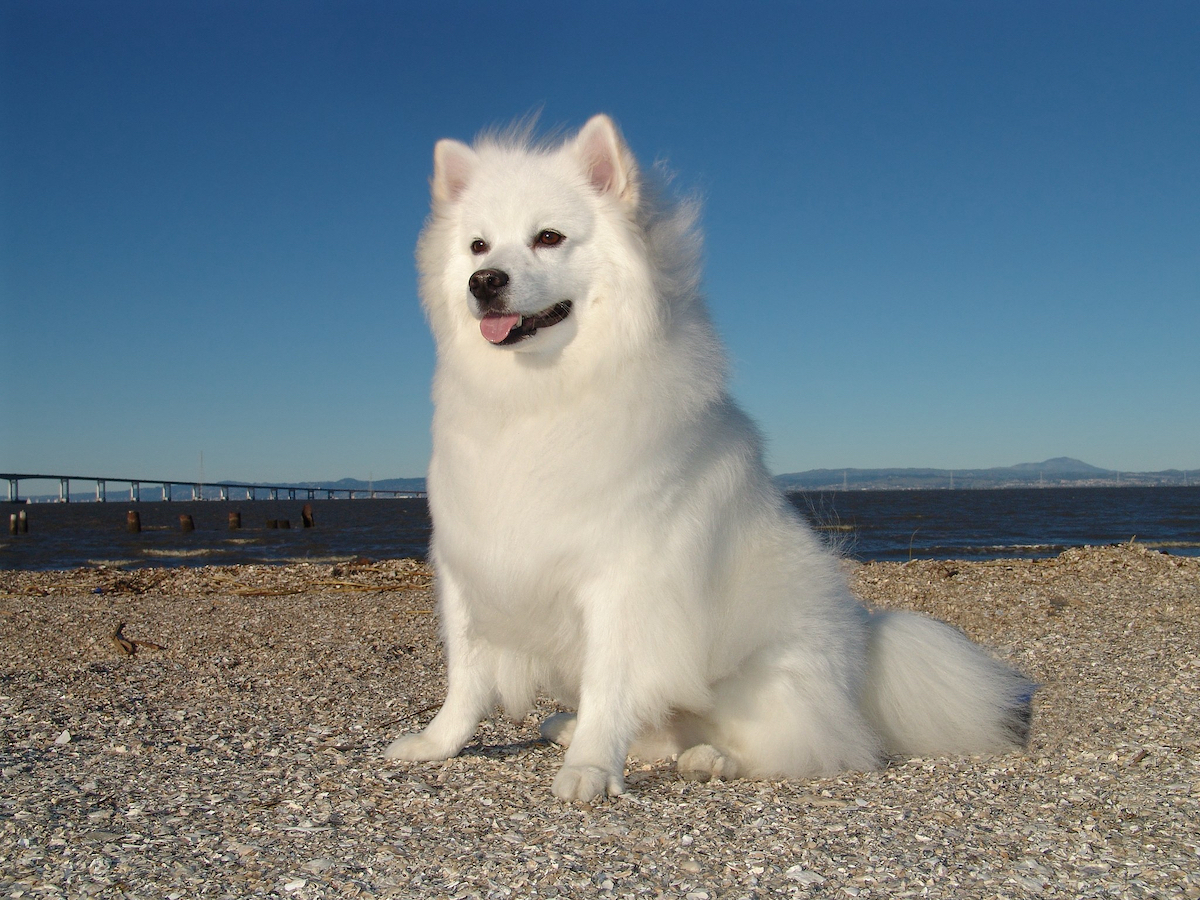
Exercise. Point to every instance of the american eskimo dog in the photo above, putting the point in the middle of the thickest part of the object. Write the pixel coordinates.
(604, 527)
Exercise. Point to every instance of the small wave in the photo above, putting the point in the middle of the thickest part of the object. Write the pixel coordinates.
(183, 554)
(985, 551)
(1023, 548)
(315, 560)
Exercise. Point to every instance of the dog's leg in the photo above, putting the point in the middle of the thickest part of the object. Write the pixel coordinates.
(643, 654)
(470, 694)
(595, 761)
(607, 720)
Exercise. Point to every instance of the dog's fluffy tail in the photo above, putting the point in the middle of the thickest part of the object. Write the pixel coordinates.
(930, 691)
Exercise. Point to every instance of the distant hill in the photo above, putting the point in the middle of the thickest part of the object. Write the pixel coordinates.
(1058, 472)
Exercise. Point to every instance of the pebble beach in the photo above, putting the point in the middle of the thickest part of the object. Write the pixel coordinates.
(217, 732)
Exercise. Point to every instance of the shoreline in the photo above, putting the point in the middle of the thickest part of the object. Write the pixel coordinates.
(236, 750)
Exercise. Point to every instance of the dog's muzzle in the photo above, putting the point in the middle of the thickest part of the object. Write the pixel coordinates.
(502, 326)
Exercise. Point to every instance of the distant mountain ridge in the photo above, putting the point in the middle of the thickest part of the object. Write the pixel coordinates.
(1062, 471)
(1058, 472)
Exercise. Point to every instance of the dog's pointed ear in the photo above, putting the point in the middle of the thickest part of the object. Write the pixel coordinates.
(610, 166)
(453, 163)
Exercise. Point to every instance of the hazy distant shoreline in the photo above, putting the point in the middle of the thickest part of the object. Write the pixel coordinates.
(1060, 472)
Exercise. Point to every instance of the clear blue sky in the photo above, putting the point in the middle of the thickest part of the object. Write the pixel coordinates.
(951, 234)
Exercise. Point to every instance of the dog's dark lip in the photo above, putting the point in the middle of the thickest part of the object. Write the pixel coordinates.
(530, 324)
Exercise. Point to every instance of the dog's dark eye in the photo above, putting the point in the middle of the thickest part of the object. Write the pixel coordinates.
(479, 246)
(548, 238)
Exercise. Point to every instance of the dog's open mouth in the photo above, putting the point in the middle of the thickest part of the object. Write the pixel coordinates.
(503, 329)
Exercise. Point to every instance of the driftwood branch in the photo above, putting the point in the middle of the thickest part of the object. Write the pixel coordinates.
(127, 646)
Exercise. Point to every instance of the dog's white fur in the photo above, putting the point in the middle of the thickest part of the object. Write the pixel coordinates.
(604, 525)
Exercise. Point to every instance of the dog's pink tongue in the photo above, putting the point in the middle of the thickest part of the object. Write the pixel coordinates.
(496, 328)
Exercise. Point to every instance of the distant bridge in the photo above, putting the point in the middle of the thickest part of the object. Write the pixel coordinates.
(223, 490)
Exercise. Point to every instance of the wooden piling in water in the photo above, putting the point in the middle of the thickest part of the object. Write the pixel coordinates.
(13, 528)
(23, 521)
(133, 521)
(235, 521)
(307, 515)
(186, 523)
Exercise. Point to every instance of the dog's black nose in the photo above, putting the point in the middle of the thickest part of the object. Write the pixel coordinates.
(486, 285)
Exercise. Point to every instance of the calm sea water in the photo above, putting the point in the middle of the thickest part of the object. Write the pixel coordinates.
(994, 524)
(866, 525)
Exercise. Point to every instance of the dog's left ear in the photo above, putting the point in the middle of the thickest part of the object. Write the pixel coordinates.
(453, 165)
(610, 166)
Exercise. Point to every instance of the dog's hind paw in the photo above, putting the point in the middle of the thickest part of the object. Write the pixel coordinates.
(559, 729)
(586, 783)
(703, 762)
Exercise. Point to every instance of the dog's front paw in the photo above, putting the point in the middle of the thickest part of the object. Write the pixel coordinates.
(419, 747)
(586, 783)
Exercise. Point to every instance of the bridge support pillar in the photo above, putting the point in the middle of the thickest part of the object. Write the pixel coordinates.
(64, 490)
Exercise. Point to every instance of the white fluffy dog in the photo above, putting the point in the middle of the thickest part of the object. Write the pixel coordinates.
(604, 526)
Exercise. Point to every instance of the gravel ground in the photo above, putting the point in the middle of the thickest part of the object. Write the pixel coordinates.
(217, 732)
